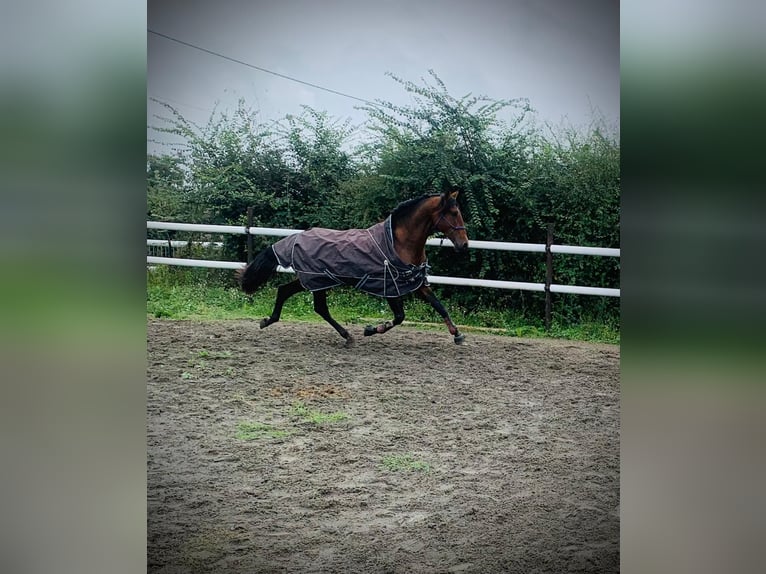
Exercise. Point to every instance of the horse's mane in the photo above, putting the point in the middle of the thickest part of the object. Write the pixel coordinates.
(405, 208)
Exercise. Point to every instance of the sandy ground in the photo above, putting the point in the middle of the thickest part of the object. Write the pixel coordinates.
(509, 451)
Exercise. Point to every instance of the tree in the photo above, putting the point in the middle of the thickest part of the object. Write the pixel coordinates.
(165, 184)
(514, 182)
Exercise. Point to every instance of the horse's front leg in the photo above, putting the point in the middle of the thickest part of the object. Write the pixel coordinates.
(397, 306)
(427, 295)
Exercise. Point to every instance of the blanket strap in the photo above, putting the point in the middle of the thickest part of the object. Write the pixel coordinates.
(386, 269)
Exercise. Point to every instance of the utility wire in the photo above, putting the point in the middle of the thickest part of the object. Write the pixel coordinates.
(259, 68)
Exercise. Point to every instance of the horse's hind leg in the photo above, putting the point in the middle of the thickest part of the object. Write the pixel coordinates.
(284, 292)
(320, 306)
(397, 306)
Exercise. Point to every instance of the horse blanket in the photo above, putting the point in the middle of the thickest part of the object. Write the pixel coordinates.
(362, 258)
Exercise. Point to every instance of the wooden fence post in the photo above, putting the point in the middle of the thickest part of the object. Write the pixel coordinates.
(548, 276)
(249, 236)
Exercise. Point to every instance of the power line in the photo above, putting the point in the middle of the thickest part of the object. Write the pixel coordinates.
(260, 69)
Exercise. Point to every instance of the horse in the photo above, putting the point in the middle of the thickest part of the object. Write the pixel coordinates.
(386, 260)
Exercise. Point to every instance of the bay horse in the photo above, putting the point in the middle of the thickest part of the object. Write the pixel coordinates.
(387, 260)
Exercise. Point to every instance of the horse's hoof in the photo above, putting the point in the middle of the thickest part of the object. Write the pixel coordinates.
(459, 338)
(369, 330)
(265, 323)
(349, 342)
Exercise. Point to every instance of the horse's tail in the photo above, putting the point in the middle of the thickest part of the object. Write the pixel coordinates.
(257, 271)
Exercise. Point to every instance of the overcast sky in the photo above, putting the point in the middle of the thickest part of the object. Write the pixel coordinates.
(562, 55)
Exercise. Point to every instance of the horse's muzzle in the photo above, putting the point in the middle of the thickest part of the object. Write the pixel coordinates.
(460, 247)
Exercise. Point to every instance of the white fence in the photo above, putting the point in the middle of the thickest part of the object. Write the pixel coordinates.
(435, 279)
(168, 248)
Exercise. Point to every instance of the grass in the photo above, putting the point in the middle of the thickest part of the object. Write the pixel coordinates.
(316, 417)
(167, 298)
(255, 430)
(404, 462)
(251, 430)
(205, 354)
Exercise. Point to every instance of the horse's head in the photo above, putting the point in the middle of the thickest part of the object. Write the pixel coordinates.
(449, 221)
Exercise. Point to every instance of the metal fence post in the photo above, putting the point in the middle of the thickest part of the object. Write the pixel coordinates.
(249, 235)
(548, 276)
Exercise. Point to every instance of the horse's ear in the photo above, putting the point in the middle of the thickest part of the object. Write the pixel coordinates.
(449, 194)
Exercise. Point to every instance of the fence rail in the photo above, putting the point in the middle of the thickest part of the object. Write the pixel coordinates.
(494, 245)
(548, 248)
(167, 243)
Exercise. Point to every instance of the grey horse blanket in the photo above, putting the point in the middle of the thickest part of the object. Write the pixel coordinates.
(362, 258)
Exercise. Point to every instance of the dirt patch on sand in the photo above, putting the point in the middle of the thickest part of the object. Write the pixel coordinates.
(499, 455)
